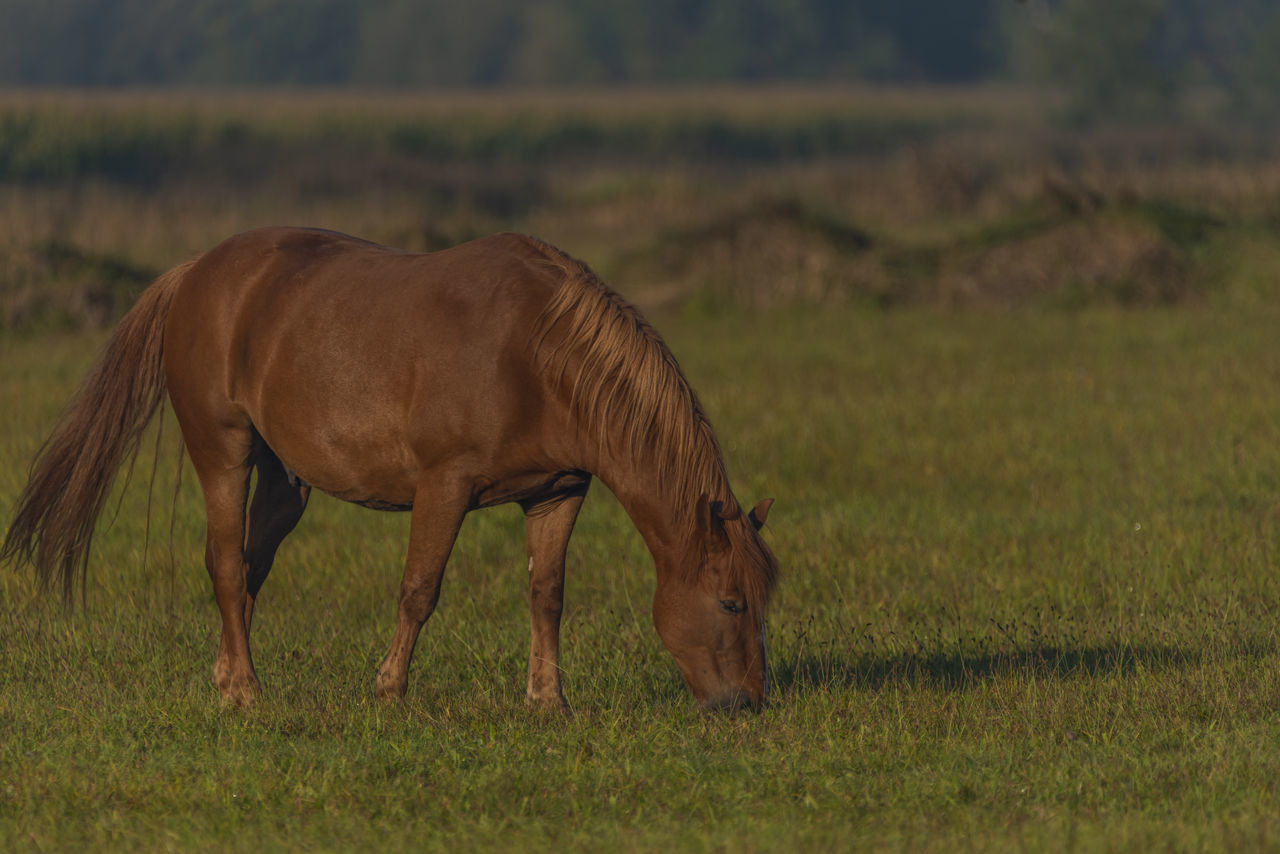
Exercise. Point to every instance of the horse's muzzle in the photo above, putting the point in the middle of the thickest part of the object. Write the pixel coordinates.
(732, 703)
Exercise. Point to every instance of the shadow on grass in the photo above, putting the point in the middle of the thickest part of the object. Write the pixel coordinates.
(961, 671)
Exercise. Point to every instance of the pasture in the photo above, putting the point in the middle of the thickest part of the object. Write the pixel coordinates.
(1028, 540)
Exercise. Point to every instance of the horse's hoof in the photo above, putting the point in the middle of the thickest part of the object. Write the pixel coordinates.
(240, 692)
(241, 695)
(390, 691)
(554, 704)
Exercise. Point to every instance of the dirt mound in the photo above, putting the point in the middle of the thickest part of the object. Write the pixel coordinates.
(766, 252)
(1100, 259)
(1059, 249)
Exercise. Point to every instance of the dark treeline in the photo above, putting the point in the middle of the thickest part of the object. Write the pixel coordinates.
(1104, 50)
(492, 42)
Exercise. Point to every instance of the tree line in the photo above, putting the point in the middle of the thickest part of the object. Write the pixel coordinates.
(1117, 55)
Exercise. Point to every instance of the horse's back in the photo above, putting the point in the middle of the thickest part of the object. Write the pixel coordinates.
(281, 264)
(320, 290)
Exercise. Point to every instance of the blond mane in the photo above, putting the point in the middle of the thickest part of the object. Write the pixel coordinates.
(628, 392)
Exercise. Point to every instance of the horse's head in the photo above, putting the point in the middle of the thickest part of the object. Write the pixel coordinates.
(712, 618)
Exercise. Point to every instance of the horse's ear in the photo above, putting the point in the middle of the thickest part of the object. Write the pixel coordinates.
(760, 513)
(711, 522)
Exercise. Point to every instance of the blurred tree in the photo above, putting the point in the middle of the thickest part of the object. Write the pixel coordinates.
(489, 42)
(1259, 90)
(938, 41)
(1144, 58)
(435, 42)
(1239, 51)
(52, 41)
(1112, 58)
(550, 50)
(307, 42)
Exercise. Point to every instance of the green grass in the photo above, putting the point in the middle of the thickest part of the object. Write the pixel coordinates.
(1029, 602)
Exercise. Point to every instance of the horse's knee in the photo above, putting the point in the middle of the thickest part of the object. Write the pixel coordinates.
(418, 599)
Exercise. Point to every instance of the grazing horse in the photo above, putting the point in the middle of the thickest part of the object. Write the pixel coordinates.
(499, 370)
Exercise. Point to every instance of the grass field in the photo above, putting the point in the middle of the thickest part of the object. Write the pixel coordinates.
(1029, 601)
(1015, 389)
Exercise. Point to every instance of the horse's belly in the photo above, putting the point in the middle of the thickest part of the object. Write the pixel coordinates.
(371, 486)
(373, 471)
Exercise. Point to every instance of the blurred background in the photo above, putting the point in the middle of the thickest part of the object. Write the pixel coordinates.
(699, 153)
(1113, 55)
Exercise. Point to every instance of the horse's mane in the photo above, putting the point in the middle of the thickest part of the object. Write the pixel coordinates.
(628, 391)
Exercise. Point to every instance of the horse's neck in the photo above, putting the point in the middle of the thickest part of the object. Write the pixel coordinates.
(662, 514)
(653, 514)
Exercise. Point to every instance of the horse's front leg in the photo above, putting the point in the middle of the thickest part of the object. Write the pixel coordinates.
(547, 527)
(433, 527)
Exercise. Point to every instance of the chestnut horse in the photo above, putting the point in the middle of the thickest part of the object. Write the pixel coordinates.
(499, 370)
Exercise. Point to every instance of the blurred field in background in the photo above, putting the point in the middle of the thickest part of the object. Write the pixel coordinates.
(764, 198)
(1014, 384)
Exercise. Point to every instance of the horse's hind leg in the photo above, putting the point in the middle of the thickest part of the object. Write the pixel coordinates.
(221, 457)
(276, 508)
(547, 529)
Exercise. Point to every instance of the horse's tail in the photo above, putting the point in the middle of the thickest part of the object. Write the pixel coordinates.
(72, 473)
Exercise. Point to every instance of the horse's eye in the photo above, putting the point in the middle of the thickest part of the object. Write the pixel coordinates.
(729, 606)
